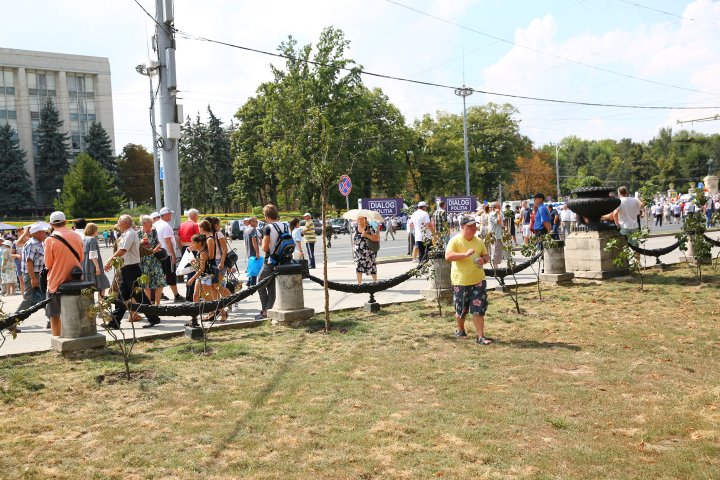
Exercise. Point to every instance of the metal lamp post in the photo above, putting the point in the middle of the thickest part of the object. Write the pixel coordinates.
(710, 164)
(465, 92)
(215, 189)
(557, 171)
(150, 70)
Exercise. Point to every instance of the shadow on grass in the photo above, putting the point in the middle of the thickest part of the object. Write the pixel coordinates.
(343, 325)
(260, 399)
(538, 345)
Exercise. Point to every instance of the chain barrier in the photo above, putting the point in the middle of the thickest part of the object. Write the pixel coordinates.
(19, 316)
(654, 252)
(712, 241)
(195, 309)
(501, 273)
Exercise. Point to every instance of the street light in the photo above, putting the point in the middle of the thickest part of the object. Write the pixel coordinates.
(465, 92)
(557, 172)
(214, 198)
(150, 69)
(710, 164)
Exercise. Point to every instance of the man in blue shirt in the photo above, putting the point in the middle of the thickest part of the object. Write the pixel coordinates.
(542, 216)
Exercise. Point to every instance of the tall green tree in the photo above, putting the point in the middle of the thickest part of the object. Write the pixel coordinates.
(16, 191)
(217, 154)
(136, 173)
(88, 190)
(53, 152)
(193, 165)
(99, 147)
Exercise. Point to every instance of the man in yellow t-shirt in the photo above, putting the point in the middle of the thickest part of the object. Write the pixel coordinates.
(468, 255)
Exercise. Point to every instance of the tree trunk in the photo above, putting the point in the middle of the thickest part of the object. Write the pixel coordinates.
(323, 196)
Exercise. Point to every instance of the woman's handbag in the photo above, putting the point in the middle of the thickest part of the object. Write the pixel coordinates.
(373, 245)
(231, 259)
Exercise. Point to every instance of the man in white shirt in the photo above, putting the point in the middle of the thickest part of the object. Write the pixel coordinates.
(626, 215)
(424, 230)
(166, 234)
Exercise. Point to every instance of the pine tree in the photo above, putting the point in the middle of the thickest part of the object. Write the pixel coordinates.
(53, 150)
(16, 191)
(88, 190)
(220, 161)
(99, 147)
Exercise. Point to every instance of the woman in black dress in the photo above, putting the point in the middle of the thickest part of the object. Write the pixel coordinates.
(365, 258)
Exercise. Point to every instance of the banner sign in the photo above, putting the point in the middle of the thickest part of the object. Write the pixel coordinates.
(462, 204)
(385, 206)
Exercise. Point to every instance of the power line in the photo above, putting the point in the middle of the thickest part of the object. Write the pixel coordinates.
(560, 57)
(190, 36)
(668, 13)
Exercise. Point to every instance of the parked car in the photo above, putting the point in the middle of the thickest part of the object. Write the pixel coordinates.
(340, 225)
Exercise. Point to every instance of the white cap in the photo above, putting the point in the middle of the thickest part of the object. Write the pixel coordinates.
(57, 217)
(7, 243)
(307, 215)
(154, 215)
(246, 219)
(422, 204)
(36, 227)
(165, 211)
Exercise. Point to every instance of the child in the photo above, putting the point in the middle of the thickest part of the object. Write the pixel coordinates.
(204, 271)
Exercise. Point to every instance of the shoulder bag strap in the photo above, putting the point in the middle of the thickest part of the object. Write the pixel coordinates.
(67, 245)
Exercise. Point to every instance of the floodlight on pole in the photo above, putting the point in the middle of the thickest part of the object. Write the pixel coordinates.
(465, 92)
(150, 69)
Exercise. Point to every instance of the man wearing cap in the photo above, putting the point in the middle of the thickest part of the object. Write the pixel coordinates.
(166, 234)
(542, 216)
(424, 230)
(468, 255)
(310, 239)
(129, 250)
(33, 261)
(63, 252)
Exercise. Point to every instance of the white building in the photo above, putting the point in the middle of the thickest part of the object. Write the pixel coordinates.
(78, 85)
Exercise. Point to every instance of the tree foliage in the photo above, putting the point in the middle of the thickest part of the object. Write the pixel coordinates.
(136, 173)
(88, 190)
(206, 163)
(53, 152)
(534, 173)
(16, 191)
(99, 147)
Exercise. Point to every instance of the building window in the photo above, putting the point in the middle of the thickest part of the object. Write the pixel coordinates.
(81, 95)
(8, 106)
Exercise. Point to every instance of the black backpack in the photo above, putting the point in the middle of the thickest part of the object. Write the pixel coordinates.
(284, 247)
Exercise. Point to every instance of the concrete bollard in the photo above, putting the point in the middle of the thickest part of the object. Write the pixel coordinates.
(554, 265)
(289, 307)
(78, 329)
(439, 286)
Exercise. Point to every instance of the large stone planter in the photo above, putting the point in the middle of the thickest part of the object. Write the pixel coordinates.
(289, 307)
(711, 183)
(78, 329)
(592, 203)
(690, 252)
(554, 265)
(439, 286)
(585, 254)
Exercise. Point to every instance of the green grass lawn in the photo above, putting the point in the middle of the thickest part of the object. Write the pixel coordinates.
(594, 381)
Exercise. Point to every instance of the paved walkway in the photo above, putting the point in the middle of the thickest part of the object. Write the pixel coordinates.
(36, 338)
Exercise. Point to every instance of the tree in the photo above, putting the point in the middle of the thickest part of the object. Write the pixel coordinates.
(534, 174)
(16, 187)
(99, 147)
(53, 152)
(193, 165)
(136, 173)
(88, 190)
(217, 144)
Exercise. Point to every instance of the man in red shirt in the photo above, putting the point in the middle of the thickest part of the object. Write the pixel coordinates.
(186, 231)
(60, 259)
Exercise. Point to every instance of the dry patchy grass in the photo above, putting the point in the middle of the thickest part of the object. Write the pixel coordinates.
(595, 381)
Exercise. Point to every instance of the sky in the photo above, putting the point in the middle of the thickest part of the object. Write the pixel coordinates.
(639, 52)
